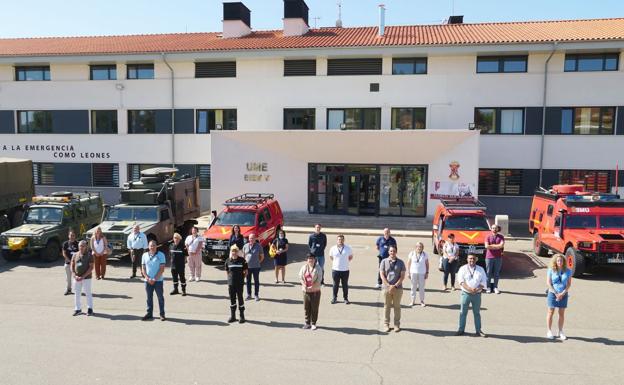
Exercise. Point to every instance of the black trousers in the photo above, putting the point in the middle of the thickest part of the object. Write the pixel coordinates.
(177, 272)
(341, 277)
(236, 292)
(380, 258)
(135, 256)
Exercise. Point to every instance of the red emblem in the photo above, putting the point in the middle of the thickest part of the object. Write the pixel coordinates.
(454, 165)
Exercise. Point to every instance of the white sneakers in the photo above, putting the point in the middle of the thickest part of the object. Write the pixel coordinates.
(549, 335)
(377, 286)
(196, 279)
(488, 291)
(496, 290)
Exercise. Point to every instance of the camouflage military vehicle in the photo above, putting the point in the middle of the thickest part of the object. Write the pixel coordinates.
(161, 203)
(16, 179)
(47, 222)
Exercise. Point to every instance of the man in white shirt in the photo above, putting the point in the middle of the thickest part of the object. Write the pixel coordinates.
(137, 244)
(340, 255)
(472, 280)
(194, 245)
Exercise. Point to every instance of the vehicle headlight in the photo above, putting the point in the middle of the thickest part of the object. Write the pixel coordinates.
(585, 245)
(17, 243)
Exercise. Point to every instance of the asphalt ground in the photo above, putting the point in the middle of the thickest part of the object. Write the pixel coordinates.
(43, 344)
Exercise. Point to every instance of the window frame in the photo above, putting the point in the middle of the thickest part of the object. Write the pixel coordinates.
(304, 110)
(130, 120)
(497, 121)
(136, 67)
(601, 129)
(501, 59)
(415, 110)
(497, 177)
(44, 69)
(110, 68)
(93, 121)
(411, 60)
(576, 57)
(362, 114)
(223, 128)
(48, 129)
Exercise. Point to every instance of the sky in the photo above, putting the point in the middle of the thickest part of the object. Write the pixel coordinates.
(38, 18)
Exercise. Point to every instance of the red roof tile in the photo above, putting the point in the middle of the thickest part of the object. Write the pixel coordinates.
(417, 35)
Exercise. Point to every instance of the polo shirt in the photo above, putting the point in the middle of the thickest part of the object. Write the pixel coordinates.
(340, 257)
(383, 245)
(494, 240)
(152, 264)
(392, 270)
(137, 241)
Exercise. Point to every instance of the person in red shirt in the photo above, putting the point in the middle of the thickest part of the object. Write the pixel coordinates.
(494, 245)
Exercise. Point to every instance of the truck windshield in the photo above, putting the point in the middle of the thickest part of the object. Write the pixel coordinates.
(612, 222)
(241, 218)
(467, 222)
(147, 214)
(580, 222)
(44, 215)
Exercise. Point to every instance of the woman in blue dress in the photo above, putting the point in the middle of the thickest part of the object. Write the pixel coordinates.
(281, 259)
(558, 279)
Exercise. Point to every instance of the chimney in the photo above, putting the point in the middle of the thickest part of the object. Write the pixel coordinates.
(236, 20)
(456, 20)
(295, 18)
(382, 19)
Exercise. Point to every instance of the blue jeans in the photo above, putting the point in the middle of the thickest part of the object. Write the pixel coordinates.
(321, 261)
(466, 300)
(149, 289)
(493, 267)
(255, 274)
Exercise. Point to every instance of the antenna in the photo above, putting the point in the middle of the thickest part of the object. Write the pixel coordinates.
(339, 21)
(316, 19)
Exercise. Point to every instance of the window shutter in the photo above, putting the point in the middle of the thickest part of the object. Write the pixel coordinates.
(354, 67)
(299, 67)
(225, 69)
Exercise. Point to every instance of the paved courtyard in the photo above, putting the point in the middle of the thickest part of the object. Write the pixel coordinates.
(43, 344)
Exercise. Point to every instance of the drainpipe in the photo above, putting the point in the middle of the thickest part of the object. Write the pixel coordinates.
(541, 165)
(164, 57)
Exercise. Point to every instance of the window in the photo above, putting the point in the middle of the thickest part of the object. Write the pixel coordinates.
(105, 174)
(409, 66)
(164, 215)
(299, 67)
(104, 122)
(354, 119)
(499, 120)
(500, 182)
(550, 210)
(140, 71)
(593, 180)
(142, 122)
(103, 72)
(34, 122)
(299, 119)
(225, 69)
(591, 62)
(588, 120)
(408, 118)
(203, 172)
(210, 120)
(43, 174)
(354, 67)
(32, 73)
(495, 64)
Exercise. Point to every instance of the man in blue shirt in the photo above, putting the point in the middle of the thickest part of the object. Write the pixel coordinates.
(137, 244)
(317, 243)
(153, 267)
(383, 247)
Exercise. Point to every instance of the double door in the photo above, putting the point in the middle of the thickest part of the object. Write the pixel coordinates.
(353, 193)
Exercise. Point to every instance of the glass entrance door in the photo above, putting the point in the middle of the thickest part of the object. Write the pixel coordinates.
(336, 193)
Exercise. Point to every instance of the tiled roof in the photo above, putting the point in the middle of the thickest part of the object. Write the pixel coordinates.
(417, 35)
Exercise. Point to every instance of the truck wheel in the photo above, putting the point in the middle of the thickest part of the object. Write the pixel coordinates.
(538, 249)
(52, 251)
(11, 255)
(575, 262)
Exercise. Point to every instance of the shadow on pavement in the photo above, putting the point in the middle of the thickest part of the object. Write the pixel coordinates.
(111, 296)
(352, 331)
(118, 317)
(207, 296)
(518, 266)
(290, 325)
(196, 322)
(605, 273)
(283, 300)
(28, 261)
(599, 340)
(370, 304)
(538, 295)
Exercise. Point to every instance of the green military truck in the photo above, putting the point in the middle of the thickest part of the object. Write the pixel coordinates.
(160, 202)
(47, 222)
(16, 179)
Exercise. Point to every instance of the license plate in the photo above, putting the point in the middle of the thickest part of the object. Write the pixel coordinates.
(117, 247)
(5, 247)
(219, 247)
(474, 250)
(619, 259)
(219, 253)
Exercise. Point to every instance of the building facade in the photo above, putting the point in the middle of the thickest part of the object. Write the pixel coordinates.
(332, 120)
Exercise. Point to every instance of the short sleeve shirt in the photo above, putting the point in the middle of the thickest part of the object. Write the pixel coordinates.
(384, 244)
(340, 257)
(81, 263)
(494, 240)
(252, 254)
(69, 248)
(419, 262)
(392, 270)
(152, 264)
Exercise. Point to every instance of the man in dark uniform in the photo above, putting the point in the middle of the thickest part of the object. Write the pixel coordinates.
(236, 269)
(177, 253)
(317, 241)
(70, 247)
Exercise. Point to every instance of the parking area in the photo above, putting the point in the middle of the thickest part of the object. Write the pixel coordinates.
(42, 342)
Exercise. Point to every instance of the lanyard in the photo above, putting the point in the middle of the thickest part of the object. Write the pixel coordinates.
(136, 237)
(340, 249)
(419, 258)
(472, 272)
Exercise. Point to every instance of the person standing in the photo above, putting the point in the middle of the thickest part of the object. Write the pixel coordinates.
(236, 238)
(281, 258)
(418, 271)
(137, 244)
(450, 260)
(70, 246)
(99, 248)
(194, 246)
(153, 266)
(340, 255)
(494, 245)
(177, 253)
(473, 280)
(254, 255)
(82, 268)
(317, 242)
(310, 276)
(558, 279)
(236, 270)
(392, 272)
(383, 245)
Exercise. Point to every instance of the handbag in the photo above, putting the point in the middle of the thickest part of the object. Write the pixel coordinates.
(440, 264)
(272, 250)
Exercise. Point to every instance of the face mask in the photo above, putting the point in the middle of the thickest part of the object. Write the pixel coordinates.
(281, 237)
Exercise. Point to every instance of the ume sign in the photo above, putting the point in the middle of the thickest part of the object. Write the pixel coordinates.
(257, 172)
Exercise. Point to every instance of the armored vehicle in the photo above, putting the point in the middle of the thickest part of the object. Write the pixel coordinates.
(47, 222)
(16, 179)
(161, 203)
